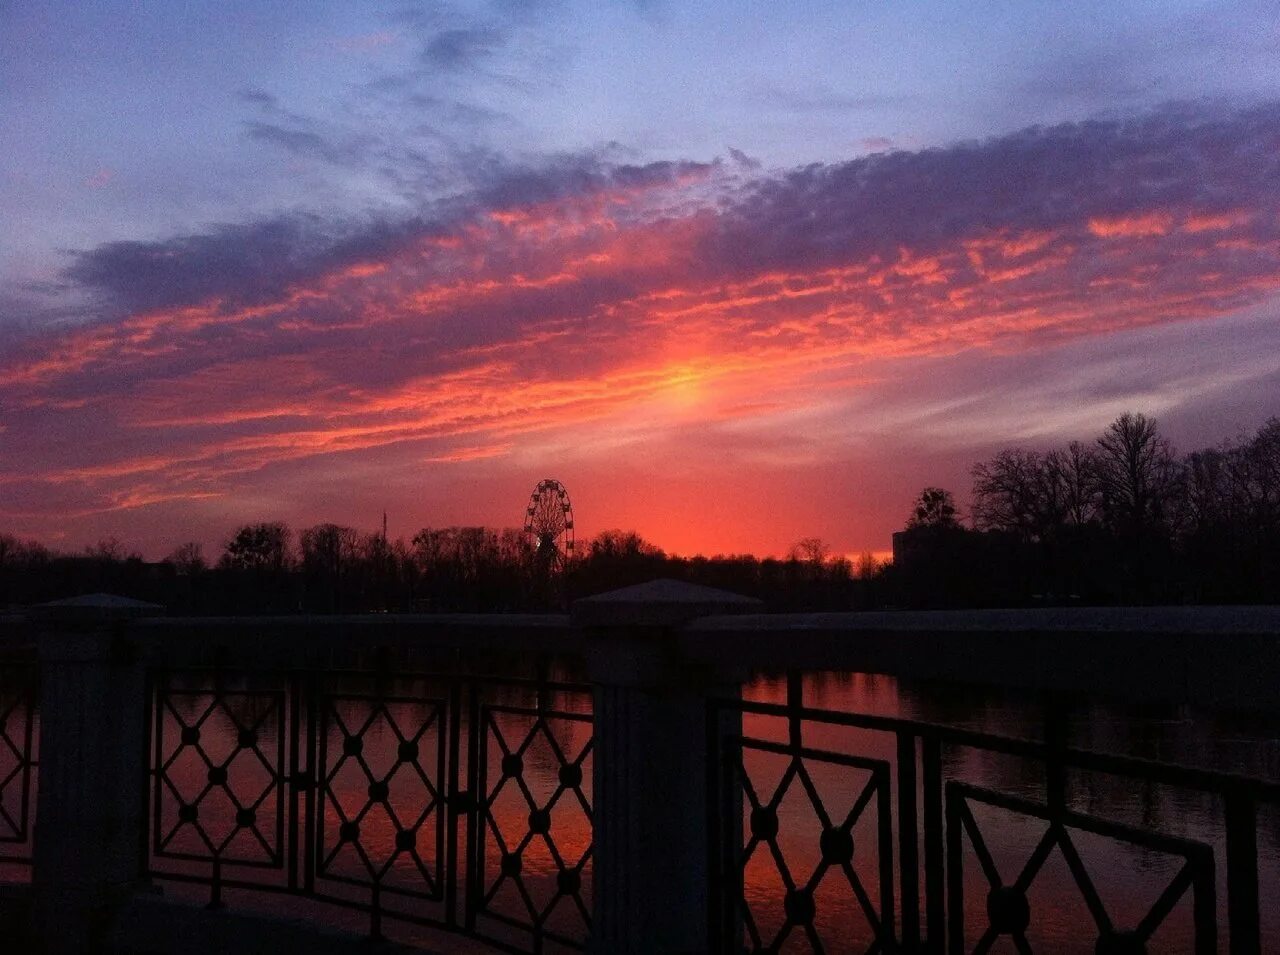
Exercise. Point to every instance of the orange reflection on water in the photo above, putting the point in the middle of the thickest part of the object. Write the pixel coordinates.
(1128, 878)
(819, 796)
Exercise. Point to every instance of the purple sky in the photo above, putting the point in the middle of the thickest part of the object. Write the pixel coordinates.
(735, 273)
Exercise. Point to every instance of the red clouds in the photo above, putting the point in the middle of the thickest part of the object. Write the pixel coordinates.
(623, 304)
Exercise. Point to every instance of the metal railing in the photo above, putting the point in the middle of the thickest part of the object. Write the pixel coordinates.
(19, 760)
(280, 763)
(424, 798)
(747, 826)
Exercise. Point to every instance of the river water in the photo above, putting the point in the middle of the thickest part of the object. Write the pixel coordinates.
(1128, 878)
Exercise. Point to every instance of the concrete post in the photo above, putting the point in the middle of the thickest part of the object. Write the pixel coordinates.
(90, 809)
(650, 813)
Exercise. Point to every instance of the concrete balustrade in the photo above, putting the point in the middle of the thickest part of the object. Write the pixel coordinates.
(651, 732)
(654, 654)
(91, 802)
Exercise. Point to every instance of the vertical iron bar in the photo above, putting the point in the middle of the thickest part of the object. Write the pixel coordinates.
(795, 702)
(931, 765)
(147, 770)
(449, 780)
(475, 841)
(156, 788)
(315, 761)
(1242, 873)
(281, 774)
(1204, 914)
(908, 840)
(295, 710)
(884, 813)
(28, 755)
(215, 897)
(955, 876)
(1055, 738)
(735, 794)
(542, 676)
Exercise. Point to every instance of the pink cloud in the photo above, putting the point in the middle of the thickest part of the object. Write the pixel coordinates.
(630, 305)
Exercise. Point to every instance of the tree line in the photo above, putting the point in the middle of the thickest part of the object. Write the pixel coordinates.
(1120, 519)
(330, 568)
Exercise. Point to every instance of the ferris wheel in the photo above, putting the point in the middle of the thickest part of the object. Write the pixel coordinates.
(548, 522)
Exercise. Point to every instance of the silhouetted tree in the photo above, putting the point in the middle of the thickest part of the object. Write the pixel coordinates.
(328, 547)
(1136, 474)
(471, 568)
(256, 568)
(24, 572)
(328, 550)
(1075, 472)
(1231, 518)
(621, 545)
(16, 553)
(613, 559)
(940, 563)
(1017, 491)
(1045, 504)
(809, 550)
(934, 507)
(1262, 480)
(262, 546)
(378, 578)
(1138, 480)
(1256, 473)
(188, 558)
(109, 550)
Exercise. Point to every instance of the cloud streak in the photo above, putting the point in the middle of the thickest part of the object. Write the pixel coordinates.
(610, 301)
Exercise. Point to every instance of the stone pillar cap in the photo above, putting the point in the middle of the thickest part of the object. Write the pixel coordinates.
(659, 603)
(95, 608)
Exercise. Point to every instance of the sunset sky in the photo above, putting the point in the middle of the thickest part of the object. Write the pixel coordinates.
(736, 273)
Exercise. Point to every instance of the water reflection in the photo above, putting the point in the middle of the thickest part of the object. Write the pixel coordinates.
(404, 843)
(1128, 878)
(383, 757)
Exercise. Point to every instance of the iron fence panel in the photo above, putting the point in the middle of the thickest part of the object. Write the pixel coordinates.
(374, 793)
(939, 840)
(19, 758)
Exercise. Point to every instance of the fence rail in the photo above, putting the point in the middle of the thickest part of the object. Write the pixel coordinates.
(429, 798)
(650, 811)
(936, 814)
